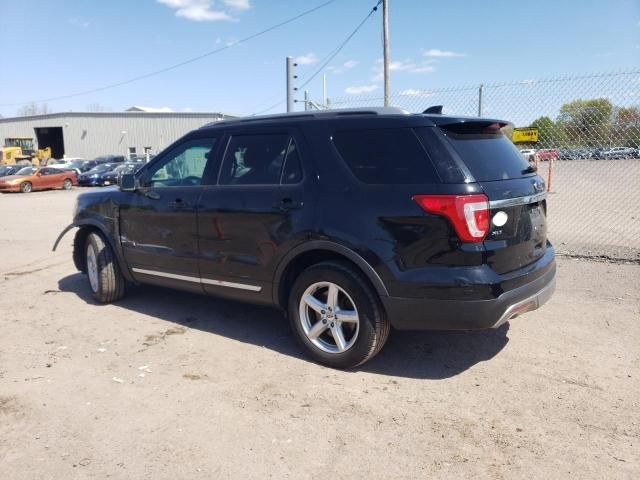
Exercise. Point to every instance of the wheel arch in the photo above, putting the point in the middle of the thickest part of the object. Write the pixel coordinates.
(80, 239)
(314, 252)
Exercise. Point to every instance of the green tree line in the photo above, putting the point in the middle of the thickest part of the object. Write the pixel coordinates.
(590, 124)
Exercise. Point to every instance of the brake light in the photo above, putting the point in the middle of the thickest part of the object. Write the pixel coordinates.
(469, 214)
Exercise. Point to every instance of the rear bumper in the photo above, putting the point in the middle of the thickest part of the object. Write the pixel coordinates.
(430, 314)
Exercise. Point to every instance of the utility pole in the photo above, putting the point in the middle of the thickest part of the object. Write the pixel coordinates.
(306, 100)
(324, 89)
(290, 65)
(385, 36)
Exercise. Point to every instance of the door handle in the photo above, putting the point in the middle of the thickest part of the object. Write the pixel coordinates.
(287, 204)
(178, 203)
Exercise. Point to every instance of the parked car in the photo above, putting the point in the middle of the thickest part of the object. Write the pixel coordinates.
(548, 154)
(352, 221)
(93, 178)
(65, 163)
(618, 153)
(81, 166)
(111, 177)
(110, 159)
(6, 170)
(29, 179)
(527, 152)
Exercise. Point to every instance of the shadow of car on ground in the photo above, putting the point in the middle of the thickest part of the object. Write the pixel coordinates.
(424, 354)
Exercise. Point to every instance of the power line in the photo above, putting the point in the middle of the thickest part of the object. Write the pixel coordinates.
(335, 52)
(329, 57)
(177, 65)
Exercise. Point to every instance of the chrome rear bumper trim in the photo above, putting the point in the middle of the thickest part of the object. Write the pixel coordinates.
(528, 304)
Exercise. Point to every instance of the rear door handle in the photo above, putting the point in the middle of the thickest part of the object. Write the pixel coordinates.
(287, 204)
(178, 203)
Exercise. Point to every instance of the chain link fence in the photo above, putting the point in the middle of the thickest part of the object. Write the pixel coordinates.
(588, 149)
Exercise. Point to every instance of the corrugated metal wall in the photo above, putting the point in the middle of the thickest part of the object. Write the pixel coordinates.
(88, 135)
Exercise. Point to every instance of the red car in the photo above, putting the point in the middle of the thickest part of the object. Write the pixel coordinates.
(548, 154)
(29, 179)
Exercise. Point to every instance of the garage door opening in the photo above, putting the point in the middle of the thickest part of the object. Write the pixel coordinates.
(51, 137)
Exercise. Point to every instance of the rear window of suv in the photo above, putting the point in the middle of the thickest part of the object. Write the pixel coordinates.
(486, 151)
(385, 156)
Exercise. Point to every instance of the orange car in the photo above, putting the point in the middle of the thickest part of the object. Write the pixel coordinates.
(29, 179)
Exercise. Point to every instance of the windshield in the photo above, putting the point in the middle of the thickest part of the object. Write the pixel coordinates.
(24, 143)
(25, 171)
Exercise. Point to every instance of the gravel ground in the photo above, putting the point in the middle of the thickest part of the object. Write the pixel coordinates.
(594, 207)
(167, 385)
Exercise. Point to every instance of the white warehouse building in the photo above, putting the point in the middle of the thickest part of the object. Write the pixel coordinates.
(91, 134)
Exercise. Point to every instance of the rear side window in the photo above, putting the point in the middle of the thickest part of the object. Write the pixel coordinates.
(385, 156)
(486, 152)
(254, 159)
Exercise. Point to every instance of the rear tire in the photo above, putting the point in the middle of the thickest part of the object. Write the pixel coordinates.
(26, 187)
(105, 279)
(350, 333)
(67, 184)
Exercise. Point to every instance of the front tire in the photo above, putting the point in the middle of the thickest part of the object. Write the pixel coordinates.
(105, 280)
(336, 315)
(67, 184)
(26, 187)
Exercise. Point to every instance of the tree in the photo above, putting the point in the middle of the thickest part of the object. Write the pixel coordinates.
(626, 126)
(96, 107)
(587, 122)
(32, 109)
(550, 135)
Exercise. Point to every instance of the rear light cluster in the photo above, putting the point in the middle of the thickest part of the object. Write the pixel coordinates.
(469, 214)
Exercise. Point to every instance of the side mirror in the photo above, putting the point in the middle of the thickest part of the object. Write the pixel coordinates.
(128, 182)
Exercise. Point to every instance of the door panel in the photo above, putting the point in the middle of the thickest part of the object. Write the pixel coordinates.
(158, 223)
(245, 229)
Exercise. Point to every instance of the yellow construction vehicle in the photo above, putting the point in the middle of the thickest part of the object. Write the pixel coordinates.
(21, 150)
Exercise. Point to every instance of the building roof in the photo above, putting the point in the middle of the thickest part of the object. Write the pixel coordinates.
(140, 108)
(125, 114)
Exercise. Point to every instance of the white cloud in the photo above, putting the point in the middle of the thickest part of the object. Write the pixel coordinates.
(412, 92)
(424, 69)
(237, 4)
(196, 10)
(308, 59)
(435, 52)
(356, 90)
(348, 65)
(76, 22)
(407, 65)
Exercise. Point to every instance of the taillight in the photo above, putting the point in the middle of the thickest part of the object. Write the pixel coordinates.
(469, 214)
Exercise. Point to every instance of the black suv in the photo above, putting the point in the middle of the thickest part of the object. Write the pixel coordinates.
(352, 221)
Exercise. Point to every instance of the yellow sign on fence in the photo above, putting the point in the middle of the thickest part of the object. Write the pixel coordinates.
(525, 135)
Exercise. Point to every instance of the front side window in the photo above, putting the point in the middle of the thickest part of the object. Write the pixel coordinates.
(255, 159)
(183, 166)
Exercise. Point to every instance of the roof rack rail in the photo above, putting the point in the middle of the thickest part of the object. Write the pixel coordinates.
(338, 112)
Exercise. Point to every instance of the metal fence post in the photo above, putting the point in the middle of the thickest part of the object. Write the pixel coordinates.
(289, 84)
(480, 91)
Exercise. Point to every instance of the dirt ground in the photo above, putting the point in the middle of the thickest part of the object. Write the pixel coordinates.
(167, 385)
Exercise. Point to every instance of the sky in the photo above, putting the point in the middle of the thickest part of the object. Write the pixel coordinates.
(53, 48)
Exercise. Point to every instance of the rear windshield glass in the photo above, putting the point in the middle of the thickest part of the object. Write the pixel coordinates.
(486, 152)
(385, 156)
